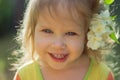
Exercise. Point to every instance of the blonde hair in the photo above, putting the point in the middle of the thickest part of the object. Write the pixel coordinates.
(86, 8)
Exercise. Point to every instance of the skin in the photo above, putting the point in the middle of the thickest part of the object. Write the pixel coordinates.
(54, 36)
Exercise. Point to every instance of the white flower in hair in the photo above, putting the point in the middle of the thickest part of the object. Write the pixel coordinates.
(100, 30)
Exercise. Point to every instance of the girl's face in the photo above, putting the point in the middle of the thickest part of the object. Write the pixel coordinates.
(59, 43)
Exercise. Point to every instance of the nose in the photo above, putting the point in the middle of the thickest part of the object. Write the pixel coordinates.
(58, 43)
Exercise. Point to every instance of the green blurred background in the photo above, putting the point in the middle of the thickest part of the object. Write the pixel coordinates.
(11, 12)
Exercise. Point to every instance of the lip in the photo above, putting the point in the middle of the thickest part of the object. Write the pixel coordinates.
(61, 59)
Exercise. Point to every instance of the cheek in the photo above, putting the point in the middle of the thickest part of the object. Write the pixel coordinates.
(76, 49)
(40, 43)
(41, 46)
(77, 46)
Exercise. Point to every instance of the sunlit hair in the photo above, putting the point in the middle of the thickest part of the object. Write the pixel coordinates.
(72, 8)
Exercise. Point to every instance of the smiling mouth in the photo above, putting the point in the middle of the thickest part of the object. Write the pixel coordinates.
(58, 57)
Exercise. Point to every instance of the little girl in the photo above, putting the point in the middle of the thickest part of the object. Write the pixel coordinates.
(56, 31)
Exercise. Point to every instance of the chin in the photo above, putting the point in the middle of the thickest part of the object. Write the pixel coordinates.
(59, 66)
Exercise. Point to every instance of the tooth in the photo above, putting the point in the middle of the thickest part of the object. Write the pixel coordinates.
(55, 55)
(62, 56)
(59, 55)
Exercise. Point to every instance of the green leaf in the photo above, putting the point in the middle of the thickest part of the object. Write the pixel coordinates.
(108, 1)
(113, 17)
(114, 37)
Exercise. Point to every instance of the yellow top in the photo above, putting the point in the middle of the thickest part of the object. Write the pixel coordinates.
(96, 71)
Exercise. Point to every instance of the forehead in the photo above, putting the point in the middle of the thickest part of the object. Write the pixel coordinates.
(61, 10)
(61, 17)
(46, 19)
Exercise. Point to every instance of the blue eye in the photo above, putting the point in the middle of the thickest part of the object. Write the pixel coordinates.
(71, 33)
(47, 31)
